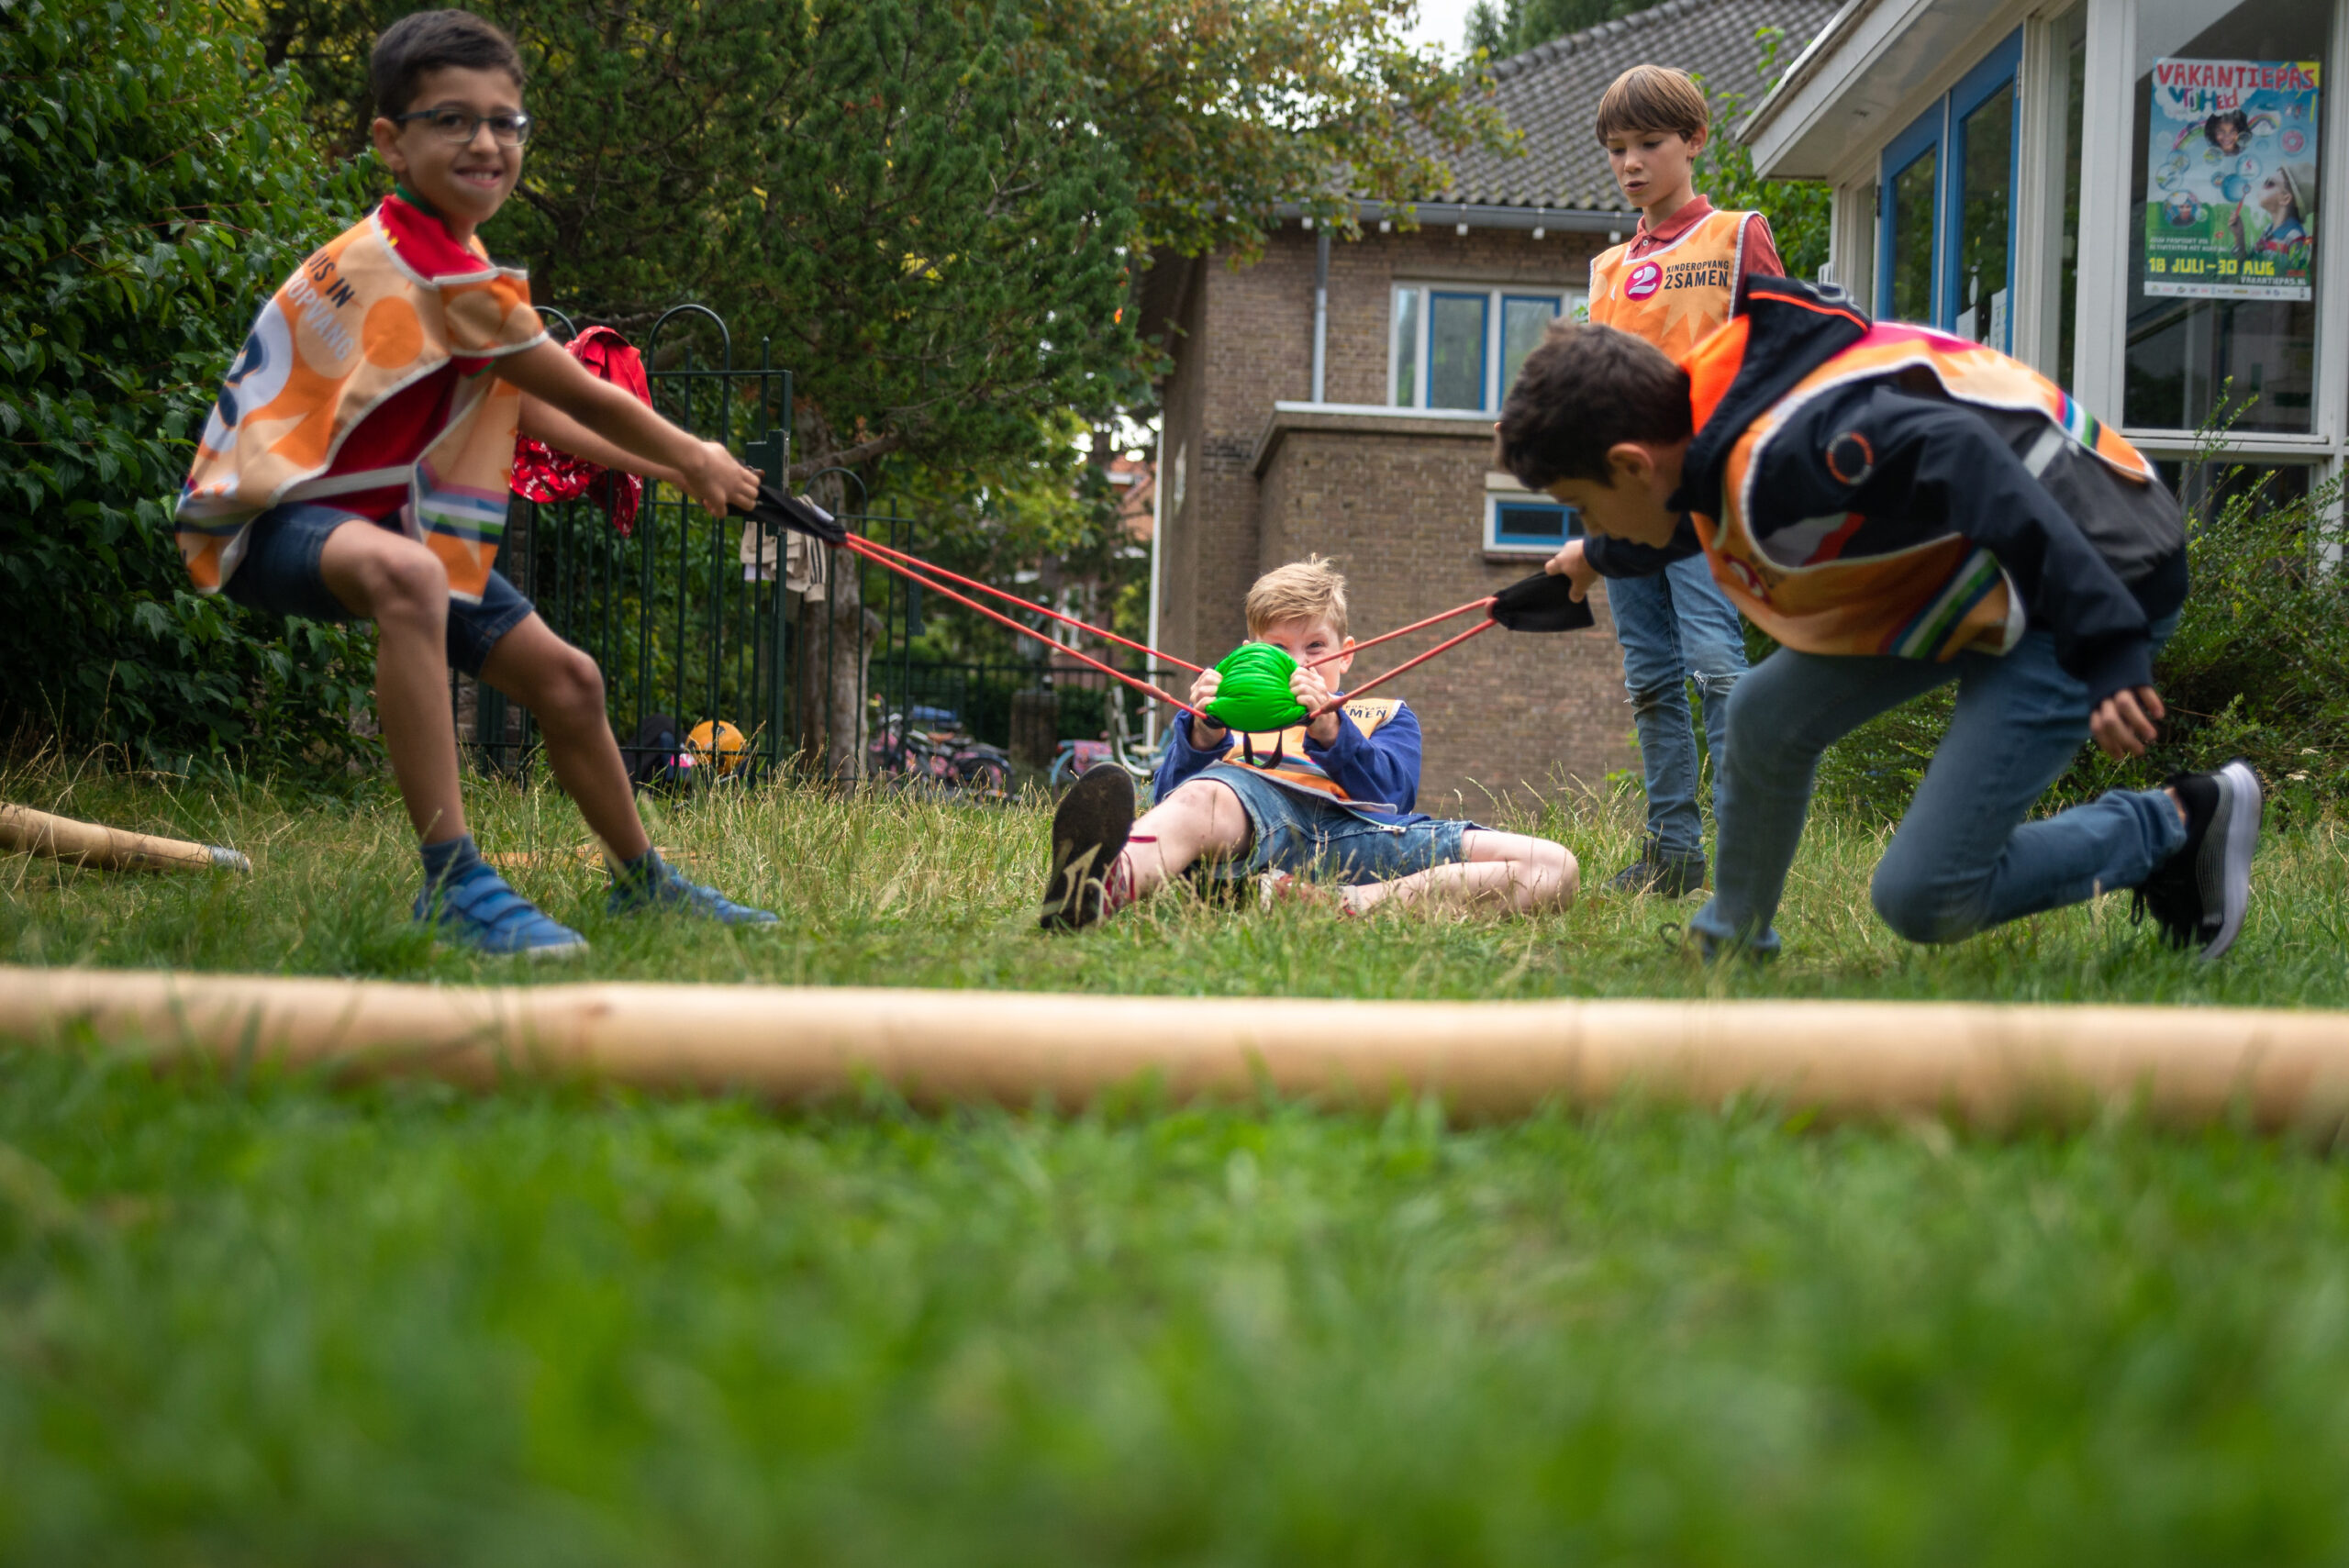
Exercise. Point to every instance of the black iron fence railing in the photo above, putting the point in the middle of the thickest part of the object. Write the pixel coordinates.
(806, 650)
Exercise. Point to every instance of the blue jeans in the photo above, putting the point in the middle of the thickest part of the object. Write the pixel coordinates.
(1311, 837)
(1675, 626)
(1963, 859)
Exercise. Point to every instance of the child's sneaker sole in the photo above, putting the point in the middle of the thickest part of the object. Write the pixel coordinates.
(1089, 829)
(2222, 869)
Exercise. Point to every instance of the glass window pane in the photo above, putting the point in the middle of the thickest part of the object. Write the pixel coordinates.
(2206, 487)
(2254, 186)
(2075, 27)
(1407, 348)
(1524, 322)
(1987, 137)
(1456, 349)
(1525, 524)
(1912, 240)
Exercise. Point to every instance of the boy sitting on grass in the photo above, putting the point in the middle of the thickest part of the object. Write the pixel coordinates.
(357, 462)
(1330, 797)
(1902, 509)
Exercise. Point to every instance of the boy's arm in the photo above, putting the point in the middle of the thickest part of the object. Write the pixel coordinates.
(707, 471)
(1762, 250)
(1182, 760)
(1383, 765)
(1628, 558)
(1936, 463)
(542, 421)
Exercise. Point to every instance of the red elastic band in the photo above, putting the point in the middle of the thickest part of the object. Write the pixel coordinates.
(1334, 702)
(1484, 602)
(896, 555)
(865, 548)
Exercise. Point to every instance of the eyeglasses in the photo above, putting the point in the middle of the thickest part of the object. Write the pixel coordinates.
(461, 125)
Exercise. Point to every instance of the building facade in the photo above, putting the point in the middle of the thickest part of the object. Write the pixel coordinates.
(2128, 194)
(1337, 399)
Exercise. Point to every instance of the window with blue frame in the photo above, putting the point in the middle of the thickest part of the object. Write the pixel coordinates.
(1462, 348)
(1945, 221)
(1528, 525)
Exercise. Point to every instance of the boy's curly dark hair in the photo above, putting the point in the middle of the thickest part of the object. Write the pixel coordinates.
(434, 40)
(1583, 391)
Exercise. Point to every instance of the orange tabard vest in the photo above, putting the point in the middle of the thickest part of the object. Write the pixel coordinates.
(1678, 296)
(354, 325)
(1930, 601)
(1279, 754)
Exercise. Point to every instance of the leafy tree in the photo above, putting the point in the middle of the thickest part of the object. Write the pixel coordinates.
(1226, 108)
(1489, 30)
(155, 184)
(1517, 26)
(934, 202)
(1799, 210)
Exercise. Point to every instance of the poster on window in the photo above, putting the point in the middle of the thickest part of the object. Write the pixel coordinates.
(2231, 179)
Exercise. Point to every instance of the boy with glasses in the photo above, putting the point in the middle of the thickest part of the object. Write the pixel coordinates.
(356, 466)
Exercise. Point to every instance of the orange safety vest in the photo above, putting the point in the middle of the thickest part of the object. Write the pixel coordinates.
(354, 325)
(1279, 754)
(1679, 295)
(1932, 600)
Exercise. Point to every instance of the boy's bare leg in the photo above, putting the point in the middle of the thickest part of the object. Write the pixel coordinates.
(1505, 870)
(564, 691)
(402, 587)
(1203, 819)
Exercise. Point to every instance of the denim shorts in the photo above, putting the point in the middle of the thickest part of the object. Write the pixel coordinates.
(1295, 832)
(279, 573)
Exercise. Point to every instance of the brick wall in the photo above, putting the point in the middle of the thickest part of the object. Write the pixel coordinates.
(1399, 505)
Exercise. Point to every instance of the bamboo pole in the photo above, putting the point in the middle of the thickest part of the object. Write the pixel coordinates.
(1488, 1059)
(26, 831)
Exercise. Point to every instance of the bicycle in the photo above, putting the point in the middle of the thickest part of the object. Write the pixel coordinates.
(1073, 759)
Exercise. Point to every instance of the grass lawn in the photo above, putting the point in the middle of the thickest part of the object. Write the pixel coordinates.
(249, 1319)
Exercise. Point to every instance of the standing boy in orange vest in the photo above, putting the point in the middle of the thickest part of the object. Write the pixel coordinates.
(356, 464)
(1671, 283)
(1903, 509)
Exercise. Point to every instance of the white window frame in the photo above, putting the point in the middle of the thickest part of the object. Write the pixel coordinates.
(1495, 498)
(1569, 301)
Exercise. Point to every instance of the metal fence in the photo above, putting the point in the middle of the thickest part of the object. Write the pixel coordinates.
(692, 618)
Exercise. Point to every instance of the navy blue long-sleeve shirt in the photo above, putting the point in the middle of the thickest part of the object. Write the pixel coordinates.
(1379, 772)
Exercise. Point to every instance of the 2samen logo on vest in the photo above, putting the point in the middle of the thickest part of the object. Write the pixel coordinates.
(1649, 277)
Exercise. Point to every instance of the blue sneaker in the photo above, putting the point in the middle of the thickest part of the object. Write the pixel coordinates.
(475, 909)
(653, 884)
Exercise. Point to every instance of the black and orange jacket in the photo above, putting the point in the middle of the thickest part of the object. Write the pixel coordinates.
(1873, 487)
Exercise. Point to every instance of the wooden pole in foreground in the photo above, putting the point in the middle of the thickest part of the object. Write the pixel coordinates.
(1487, 1059)
(27, 831)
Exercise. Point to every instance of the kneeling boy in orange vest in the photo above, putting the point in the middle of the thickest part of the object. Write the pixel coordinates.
(1331, 798)
(1900, 509)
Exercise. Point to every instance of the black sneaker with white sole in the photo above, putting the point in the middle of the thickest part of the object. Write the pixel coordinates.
(2199, 895)
(1089, 829)
(1666, 876)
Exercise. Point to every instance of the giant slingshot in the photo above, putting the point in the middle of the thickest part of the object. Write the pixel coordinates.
(1256, 696)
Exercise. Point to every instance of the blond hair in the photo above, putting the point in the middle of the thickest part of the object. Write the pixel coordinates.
(1311, 589)
(1653, 97)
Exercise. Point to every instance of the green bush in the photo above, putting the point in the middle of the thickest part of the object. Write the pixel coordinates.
(2258, 668)
(154, 186)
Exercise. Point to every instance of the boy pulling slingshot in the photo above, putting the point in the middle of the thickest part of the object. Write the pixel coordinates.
(356, 465)
(1328, 793)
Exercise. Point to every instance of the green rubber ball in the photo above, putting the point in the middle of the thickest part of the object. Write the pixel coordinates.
(1253, 697)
